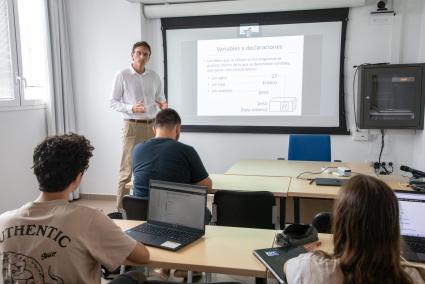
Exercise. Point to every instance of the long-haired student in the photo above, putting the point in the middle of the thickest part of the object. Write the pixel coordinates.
(366, 241)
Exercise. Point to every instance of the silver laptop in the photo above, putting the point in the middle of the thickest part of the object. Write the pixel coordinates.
(412, 224)
(176, 215)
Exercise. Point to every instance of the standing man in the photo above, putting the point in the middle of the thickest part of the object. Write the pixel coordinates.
(137, 94)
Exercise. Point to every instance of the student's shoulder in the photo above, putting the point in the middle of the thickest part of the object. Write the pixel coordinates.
(417, 274)
(184, 146)
(9, 215)
(146, 144)
(314, 259)
(87, 216)
(312, 267)
(84, 212)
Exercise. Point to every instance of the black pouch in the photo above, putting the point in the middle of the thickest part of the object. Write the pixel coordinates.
(297, 234)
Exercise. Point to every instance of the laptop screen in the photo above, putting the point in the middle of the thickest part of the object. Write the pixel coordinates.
(177, 204)
(412, 208)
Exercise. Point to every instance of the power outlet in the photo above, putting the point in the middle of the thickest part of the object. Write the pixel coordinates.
(385, 168)
(360, 135)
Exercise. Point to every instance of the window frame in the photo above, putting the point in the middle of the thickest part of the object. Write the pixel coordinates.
(18, 101)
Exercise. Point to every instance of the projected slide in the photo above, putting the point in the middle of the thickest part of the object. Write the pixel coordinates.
(250, 76)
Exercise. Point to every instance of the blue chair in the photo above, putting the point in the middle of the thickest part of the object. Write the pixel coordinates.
(307, 147)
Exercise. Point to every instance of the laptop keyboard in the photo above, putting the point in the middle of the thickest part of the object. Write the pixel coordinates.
(415, 243)
(172, 234)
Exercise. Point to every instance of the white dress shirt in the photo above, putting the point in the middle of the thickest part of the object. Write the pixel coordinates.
(131, 87)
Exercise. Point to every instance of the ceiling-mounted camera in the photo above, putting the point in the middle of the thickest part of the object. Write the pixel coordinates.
(381, 6)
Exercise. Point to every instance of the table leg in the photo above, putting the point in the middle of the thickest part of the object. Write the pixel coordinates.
(296, 210)
(208, 277)
(189, 277)
(282, 212)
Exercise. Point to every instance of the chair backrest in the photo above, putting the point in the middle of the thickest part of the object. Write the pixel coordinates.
(136, 208)
(244, 209)
(306, 147)
(323, 222)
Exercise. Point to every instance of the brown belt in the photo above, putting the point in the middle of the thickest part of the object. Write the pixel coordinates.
(140, 120)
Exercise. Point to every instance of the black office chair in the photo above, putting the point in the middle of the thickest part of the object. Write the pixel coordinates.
(135, 208)
(322, 221)
(244, 209)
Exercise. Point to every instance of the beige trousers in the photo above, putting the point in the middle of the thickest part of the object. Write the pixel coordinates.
(132, 134)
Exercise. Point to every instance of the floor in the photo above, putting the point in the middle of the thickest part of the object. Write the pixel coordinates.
(108, 206)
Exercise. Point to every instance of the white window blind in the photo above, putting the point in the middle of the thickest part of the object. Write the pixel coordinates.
(7, 92)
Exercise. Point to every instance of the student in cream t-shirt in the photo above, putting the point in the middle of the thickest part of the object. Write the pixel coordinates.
(51, 240)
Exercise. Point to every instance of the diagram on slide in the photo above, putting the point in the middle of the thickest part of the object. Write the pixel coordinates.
(283, 104)
(250, 76)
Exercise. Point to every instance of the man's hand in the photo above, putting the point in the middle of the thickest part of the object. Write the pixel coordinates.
(138, 107)
(162, 105)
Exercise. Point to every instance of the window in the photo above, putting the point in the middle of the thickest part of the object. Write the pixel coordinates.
(7, 92)
(24, 64)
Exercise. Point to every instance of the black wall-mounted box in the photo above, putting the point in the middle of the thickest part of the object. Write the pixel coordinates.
(391, 96)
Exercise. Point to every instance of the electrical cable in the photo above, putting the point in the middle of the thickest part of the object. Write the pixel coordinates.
(382, 145)
(354, 94)
(312, 173)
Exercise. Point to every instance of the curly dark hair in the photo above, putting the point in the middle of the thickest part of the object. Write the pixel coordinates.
(59, 159)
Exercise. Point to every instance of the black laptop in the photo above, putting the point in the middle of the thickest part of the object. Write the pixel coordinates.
(412, 224)
(330, 181)
(176, 215)
(275, 258)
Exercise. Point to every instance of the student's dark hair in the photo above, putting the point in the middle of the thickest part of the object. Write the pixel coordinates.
(167, 118)
(59, 159)
(366, 232)
(142, 43)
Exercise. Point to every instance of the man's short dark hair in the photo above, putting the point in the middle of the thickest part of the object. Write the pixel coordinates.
(142, 43)
(167, 118)
(59, 159)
